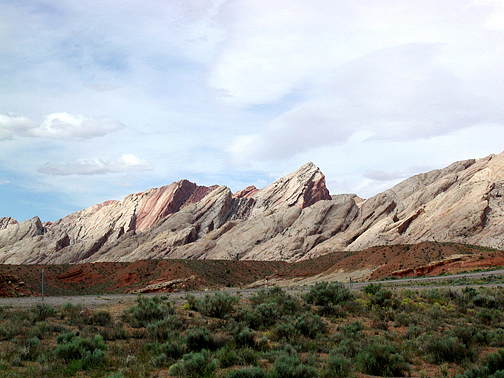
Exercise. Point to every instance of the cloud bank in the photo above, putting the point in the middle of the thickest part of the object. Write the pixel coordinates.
(57, 126)
(88, 167)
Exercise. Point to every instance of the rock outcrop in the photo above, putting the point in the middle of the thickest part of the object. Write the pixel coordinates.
(292, 219)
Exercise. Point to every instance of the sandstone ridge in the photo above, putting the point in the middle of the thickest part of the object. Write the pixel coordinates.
(292, 219)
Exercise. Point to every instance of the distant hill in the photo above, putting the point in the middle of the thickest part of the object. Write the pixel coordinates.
(293, 219)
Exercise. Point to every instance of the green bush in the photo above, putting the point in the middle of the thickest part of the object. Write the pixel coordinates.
(195, 364)
(290, 366)
(148, 310)
(164, 329)
(74, 314)
(90, 352)
(243, 335)
(372, 288)
(337, 366)
(489, 316)
(262, 316)
(253, 372)
(382, 360)
(173, 349)
(217, 306)
(449, 349)
(101, 318)
(284, 303)
(285, 331)
(325, 293)
(493, 367)
(310, 325)
(201, 338)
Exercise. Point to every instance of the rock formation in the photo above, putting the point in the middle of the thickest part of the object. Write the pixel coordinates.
(294, 218)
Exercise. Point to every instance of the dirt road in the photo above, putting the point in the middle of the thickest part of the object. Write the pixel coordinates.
(92, 301)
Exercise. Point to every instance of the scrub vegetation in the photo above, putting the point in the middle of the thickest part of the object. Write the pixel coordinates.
(327, 332)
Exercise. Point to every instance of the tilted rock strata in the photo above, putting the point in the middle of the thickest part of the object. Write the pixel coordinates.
(179, 220)
(292, 219)
(80, 235)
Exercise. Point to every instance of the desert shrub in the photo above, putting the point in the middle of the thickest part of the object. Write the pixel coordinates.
(261, 316)
(489, 316)
(324, 293)
(148, 310)
(26, 349)
(165, 328)
(268, 307)
(101, 318)
(252, 372)
(227, 356)
(285, 331)
(382, 360)
(191, 302)
(406, 319)
(484, 300)
(173, 349)
(284, 303)
(337, 366)
(492, 367)
(74, 314)
(243, 335)
(195, 364)
(310, 325)
(200, 338)
(42, 311)
(434, 296)
(384, 298)
(90, 352)
(372, 288)
(352, 330)
(449, 349)
(119, 374)
(9, 331)
(217, 306)
(290, 366)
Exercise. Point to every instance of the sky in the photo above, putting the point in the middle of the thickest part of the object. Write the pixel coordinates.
(100, 99)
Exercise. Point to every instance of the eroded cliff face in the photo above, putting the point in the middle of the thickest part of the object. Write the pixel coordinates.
(179, 220)
(292, 219)
(460, 203)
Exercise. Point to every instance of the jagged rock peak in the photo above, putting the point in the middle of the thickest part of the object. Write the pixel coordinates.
(302, 188)
(6, 222)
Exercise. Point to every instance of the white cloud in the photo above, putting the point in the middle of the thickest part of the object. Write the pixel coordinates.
(395, 94)
(125, 163)
(57, 126)
(67, 126)
(4, 182)
(11, 124)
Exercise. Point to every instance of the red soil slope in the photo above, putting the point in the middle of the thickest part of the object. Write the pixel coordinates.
(176, 275)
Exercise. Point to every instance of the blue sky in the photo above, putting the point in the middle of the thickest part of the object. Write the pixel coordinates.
(99, 99)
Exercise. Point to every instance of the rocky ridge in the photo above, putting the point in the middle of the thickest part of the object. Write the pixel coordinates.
(292, 219)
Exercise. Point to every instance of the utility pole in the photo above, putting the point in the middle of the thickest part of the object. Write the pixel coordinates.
(42, 285)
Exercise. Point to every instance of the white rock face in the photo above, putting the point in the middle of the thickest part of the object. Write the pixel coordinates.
(294, 218)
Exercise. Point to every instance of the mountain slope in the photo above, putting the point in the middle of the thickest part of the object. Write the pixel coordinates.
(292, 219)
